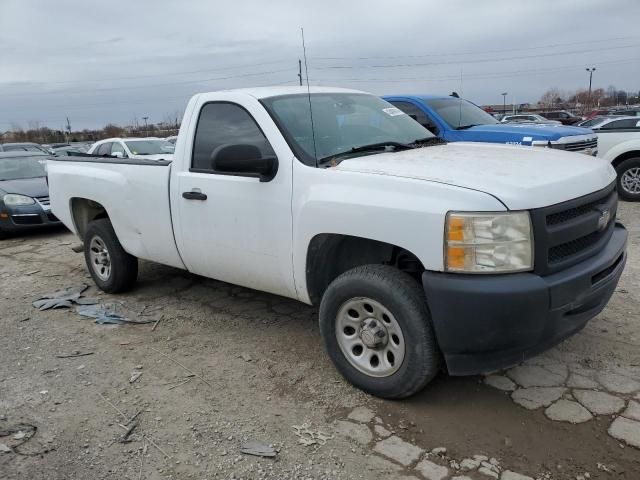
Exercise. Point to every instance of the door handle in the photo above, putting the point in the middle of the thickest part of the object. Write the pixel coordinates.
(194, 195)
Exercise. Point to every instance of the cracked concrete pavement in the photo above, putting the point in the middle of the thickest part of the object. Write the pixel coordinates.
(261, 371)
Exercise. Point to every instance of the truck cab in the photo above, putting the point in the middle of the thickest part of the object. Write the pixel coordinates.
(458, 120)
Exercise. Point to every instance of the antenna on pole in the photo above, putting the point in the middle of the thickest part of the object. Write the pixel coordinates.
(306, 70)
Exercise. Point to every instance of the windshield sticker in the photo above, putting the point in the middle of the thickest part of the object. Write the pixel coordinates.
(393, 111)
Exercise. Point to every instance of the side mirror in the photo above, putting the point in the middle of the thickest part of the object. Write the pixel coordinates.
(244, 159)
(117, 154)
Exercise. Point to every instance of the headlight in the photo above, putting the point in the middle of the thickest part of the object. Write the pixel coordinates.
(488, 242)
(13, 200)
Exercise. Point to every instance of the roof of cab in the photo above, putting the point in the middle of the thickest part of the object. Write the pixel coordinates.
(266, 92)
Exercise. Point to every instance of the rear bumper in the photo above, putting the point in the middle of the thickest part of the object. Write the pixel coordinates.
(486, 322)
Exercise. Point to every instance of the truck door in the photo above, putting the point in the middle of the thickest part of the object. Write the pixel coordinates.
(232, 227)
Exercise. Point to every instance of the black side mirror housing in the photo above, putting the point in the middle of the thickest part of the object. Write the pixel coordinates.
(244, 159)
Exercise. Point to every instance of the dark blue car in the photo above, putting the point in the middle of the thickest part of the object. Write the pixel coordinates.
(24, 193)
(457, 120)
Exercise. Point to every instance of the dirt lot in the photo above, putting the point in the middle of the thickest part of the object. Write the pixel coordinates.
(226, 365)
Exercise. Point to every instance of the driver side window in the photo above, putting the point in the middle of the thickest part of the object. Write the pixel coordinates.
(223, 123)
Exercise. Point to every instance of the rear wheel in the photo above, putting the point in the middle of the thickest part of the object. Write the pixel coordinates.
(377, 330)
(113, 270)
(629, 179)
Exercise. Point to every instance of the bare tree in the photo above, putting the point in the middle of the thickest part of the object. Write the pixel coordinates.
(551, 98)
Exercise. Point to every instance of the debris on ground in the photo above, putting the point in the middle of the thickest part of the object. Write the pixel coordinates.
(87, 301)
(134, 376)
(19, 434)
(258, 449)
(125, 436)
(308, 437)
(61, 299)
(101, 313)
(74, 354)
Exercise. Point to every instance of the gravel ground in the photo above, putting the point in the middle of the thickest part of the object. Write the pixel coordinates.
(226, 365)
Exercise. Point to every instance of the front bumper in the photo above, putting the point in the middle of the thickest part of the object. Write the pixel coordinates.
(488, 322)
(17, 219)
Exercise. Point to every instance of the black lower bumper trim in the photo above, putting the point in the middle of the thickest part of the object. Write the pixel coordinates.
(487, 322)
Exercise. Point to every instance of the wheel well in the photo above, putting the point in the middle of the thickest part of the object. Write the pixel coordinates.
(84, 211)
(625, 156)
(330, 255)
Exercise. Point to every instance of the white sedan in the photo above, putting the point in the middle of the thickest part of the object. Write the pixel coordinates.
(528, 118)
(149, 148)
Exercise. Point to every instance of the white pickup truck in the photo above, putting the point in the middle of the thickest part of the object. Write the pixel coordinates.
(420, 254)
(619, 143)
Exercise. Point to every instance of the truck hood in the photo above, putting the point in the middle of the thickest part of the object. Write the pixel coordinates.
(519, 133)
(520, 177)
(31, 187)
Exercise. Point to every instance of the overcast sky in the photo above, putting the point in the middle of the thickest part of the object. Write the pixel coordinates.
(113, 61)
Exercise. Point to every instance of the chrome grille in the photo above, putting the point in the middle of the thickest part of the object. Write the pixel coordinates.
(579, 146)
(569, 232)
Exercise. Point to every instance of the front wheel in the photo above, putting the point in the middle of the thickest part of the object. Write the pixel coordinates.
(629, 179)
(377, 330)
(112, 268)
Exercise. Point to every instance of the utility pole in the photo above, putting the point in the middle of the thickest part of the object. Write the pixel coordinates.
(68, 130)
(300, 71)
(504, 102)
(146, 132)
(590, 71)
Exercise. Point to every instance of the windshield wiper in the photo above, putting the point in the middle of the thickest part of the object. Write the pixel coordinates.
(372, 147)
(428, 141)
(464, 127)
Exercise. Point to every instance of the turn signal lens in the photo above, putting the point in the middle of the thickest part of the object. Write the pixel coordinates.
(488, 242)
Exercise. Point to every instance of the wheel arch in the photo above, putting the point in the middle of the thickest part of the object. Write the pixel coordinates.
(625, 156)
(84, 211)
(329, 255)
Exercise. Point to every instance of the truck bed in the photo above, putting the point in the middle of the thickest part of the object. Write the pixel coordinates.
(134, 192)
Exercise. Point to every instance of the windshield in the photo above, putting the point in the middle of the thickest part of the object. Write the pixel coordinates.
(457, 112)
(21, 167)
(149, 147)
(342, 121)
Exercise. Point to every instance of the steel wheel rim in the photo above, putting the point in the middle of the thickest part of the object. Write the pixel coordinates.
(100, 259)
(354, 332)
(630, 180)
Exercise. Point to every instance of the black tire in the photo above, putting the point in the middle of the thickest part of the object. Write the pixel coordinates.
(404, 298)
(3, 235)
(124, 267)
(625, 166)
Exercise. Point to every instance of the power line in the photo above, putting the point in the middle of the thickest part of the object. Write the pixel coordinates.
(155, 75)
(487, 60)
(182, 98)
(479, 52)
(185, 82)
(485, 75)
